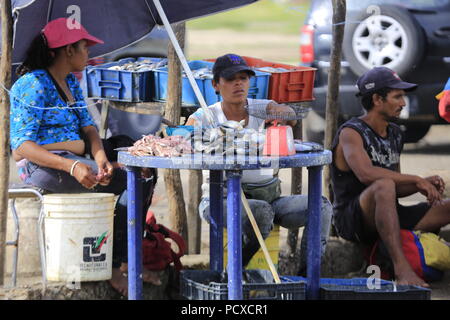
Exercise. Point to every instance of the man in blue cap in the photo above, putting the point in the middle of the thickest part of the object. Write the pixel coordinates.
(262, 187)
(366, 177)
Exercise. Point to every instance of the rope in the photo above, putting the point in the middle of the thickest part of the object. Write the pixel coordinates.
(67, 106)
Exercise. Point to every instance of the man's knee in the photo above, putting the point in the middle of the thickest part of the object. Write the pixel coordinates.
(263, 214)
(383, 188)
(262, 210)
(444, 208)
(380, 193)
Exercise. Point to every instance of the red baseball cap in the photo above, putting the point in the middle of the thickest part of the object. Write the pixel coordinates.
(63, 31)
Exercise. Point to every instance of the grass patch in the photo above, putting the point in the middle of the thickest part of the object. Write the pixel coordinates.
(272, 16)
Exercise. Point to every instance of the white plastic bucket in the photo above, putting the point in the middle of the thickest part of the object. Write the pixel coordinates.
(78, 236)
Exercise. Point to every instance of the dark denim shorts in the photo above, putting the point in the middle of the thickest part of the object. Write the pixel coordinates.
(349, 222)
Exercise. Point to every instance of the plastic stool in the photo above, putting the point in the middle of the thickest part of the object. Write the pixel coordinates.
(26, 191)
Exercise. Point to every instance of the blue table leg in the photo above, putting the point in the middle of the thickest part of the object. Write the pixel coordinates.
(134, 192)
(216, 223)
(313, 243)
(234, 230)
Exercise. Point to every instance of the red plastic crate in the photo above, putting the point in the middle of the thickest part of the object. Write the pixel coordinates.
(295, 85)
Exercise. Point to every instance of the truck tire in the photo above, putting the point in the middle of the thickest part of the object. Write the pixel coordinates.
(389, 37)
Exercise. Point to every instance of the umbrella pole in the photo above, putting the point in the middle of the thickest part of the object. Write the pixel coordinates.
(183, 61)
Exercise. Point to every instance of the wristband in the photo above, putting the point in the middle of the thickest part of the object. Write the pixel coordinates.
(73, 167)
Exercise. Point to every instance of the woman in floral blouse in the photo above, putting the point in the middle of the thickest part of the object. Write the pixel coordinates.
(51, 130)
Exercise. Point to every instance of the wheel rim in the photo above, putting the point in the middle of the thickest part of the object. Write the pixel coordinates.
(380, 41)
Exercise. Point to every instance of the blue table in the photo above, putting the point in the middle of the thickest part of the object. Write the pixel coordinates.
(233, 167)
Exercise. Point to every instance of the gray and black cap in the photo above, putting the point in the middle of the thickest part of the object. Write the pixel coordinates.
(381, 77)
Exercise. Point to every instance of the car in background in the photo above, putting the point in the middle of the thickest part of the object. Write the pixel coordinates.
(410, 37)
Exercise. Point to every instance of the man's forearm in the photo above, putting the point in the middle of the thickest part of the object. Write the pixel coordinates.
(406, 190)
(401, 180)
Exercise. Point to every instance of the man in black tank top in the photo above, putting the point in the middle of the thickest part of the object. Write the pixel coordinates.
(366, 177)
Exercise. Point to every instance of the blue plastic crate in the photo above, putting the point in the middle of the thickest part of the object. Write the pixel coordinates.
(208, 285)
(259, 85)
(357, 289)
(179, 130)
(120, 85)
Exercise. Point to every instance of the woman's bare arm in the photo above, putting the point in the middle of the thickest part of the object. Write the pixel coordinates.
(42, 157)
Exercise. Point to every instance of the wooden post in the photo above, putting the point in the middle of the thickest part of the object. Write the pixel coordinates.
(332, 107)
(103, 130)
(5, 79)
(195, 223)
(172, 179)
(290, 262)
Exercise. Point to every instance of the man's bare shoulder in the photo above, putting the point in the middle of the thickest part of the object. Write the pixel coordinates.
(349, 135)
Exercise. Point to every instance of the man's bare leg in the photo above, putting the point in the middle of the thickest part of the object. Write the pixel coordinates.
(435, 218)
(119, 282)
(378, 203)
(148, 276)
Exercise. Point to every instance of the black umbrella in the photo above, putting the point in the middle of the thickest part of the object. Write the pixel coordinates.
(117, 22)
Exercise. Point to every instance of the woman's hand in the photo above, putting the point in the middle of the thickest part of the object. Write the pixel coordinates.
(105, 168)
(84, 175)
(105, 171)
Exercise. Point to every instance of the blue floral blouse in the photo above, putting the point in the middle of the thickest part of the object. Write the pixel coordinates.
(33, 114)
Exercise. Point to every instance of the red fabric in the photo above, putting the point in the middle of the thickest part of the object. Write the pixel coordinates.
(157, 252)
(444, 106)
(411, 251)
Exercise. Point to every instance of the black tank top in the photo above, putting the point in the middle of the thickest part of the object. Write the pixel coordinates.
(384, 153)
